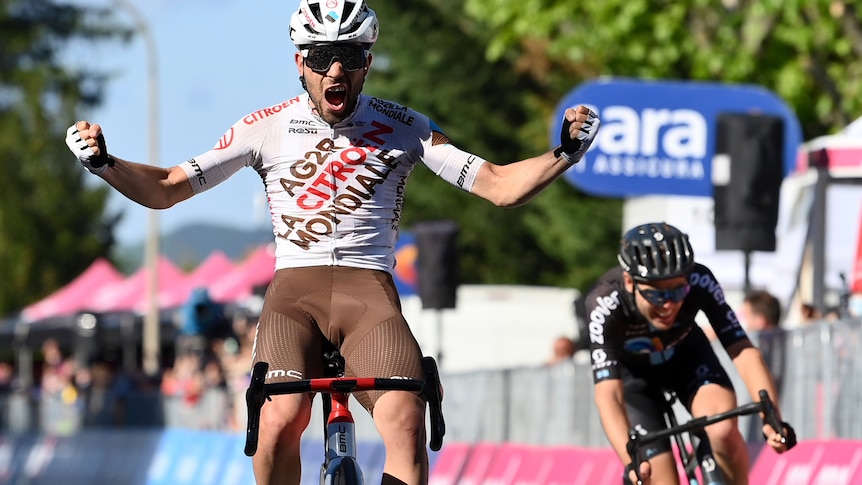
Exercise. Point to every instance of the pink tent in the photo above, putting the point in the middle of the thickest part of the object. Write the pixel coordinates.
(73, 297)
(256, 270)
(213, 268)
(132, 294)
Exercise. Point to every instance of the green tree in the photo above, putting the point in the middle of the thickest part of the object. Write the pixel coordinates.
(432, 57)
(808, 52)
(491, 71)
(51, 223)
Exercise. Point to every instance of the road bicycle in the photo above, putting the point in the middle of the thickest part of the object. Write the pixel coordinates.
(693, 447)
(340, 465)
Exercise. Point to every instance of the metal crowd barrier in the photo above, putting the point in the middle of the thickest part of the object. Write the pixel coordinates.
(819, 367)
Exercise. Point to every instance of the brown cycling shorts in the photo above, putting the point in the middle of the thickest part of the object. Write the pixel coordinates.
(357, 310)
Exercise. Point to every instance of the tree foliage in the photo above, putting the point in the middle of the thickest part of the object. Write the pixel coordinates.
(807, 52)
(491, 72)
(51, 223)
(432, 58)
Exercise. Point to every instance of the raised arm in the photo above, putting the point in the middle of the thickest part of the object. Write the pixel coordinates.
(153, 187)
(516, 183)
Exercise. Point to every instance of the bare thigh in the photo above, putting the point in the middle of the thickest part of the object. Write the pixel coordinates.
(354, 310)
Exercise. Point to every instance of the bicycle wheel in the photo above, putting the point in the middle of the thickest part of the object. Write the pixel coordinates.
(343, 471)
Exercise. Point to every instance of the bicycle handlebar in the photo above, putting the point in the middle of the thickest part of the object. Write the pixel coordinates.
(259, 392)
(764, 406)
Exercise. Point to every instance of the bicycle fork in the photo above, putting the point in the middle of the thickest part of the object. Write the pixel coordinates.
(705, 458)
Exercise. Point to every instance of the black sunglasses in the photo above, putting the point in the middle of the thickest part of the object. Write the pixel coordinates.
(320, 58)
(660, 297)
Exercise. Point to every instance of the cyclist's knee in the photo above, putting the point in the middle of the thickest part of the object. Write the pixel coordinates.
(285, 417)
(663, 469)
(400, 413)
(725, 435)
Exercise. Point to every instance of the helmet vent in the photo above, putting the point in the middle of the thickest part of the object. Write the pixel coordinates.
(655, 251)
(315, 11)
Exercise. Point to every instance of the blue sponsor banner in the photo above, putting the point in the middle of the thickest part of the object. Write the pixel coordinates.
(237, 467)
(658, 137)
(171, 456)
(197, 457)
(405, 275)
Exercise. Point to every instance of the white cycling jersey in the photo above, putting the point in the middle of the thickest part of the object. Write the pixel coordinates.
(335, 192)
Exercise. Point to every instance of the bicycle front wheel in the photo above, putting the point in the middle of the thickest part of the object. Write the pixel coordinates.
(342, 471)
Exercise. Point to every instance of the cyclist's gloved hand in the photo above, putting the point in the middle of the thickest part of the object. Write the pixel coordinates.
(629, 476)
(787, 431)
(576, 136)
(96, 163)
(789, 435)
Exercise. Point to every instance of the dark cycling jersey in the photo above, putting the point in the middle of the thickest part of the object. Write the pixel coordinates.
(620, 336)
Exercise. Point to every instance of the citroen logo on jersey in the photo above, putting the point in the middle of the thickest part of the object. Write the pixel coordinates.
(225, 140)
(332, 183)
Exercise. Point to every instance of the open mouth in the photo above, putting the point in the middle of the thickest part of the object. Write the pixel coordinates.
(666, 317)
(336, 96)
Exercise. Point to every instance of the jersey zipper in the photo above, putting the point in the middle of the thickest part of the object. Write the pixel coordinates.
(333, 192)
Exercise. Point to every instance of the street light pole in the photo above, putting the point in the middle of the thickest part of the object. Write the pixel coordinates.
(151, 338)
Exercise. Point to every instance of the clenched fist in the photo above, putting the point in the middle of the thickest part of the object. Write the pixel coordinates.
(580, 126)
(88, 144)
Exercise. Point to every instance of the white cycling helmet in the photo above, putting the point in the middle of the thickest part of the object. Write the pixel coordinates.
(330, 21)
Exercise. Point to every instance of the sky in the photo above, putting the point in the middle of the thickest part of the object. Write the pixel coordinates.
(217, 60)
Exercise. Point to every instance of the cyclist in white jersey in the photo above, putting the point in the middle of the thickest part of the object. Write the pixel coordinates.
(335, 163)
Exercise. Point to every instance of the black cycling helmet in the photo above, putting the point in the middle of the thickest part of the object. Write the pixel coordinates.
(655, 251)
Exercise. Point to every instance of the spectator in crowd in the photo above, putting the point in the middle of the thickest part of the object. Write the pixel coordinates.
(195, 393)
(563, 350)
(182, 387)
(215, 403)
(237, 367)
(102, 394)
(58, 397)
(809, 313)
(832, 314)
(760, 311)
(7, 378)
(201, 319)
(52, 354)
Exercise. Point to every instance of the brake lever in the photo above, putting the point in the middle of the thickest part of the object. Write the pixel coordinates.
(632, 449)
(431, 394)
(769, 416)
(255, 396)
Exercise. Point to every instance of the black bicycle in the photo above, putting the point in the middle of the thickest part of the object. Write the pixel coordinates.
(693, 447)
(340, 466)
